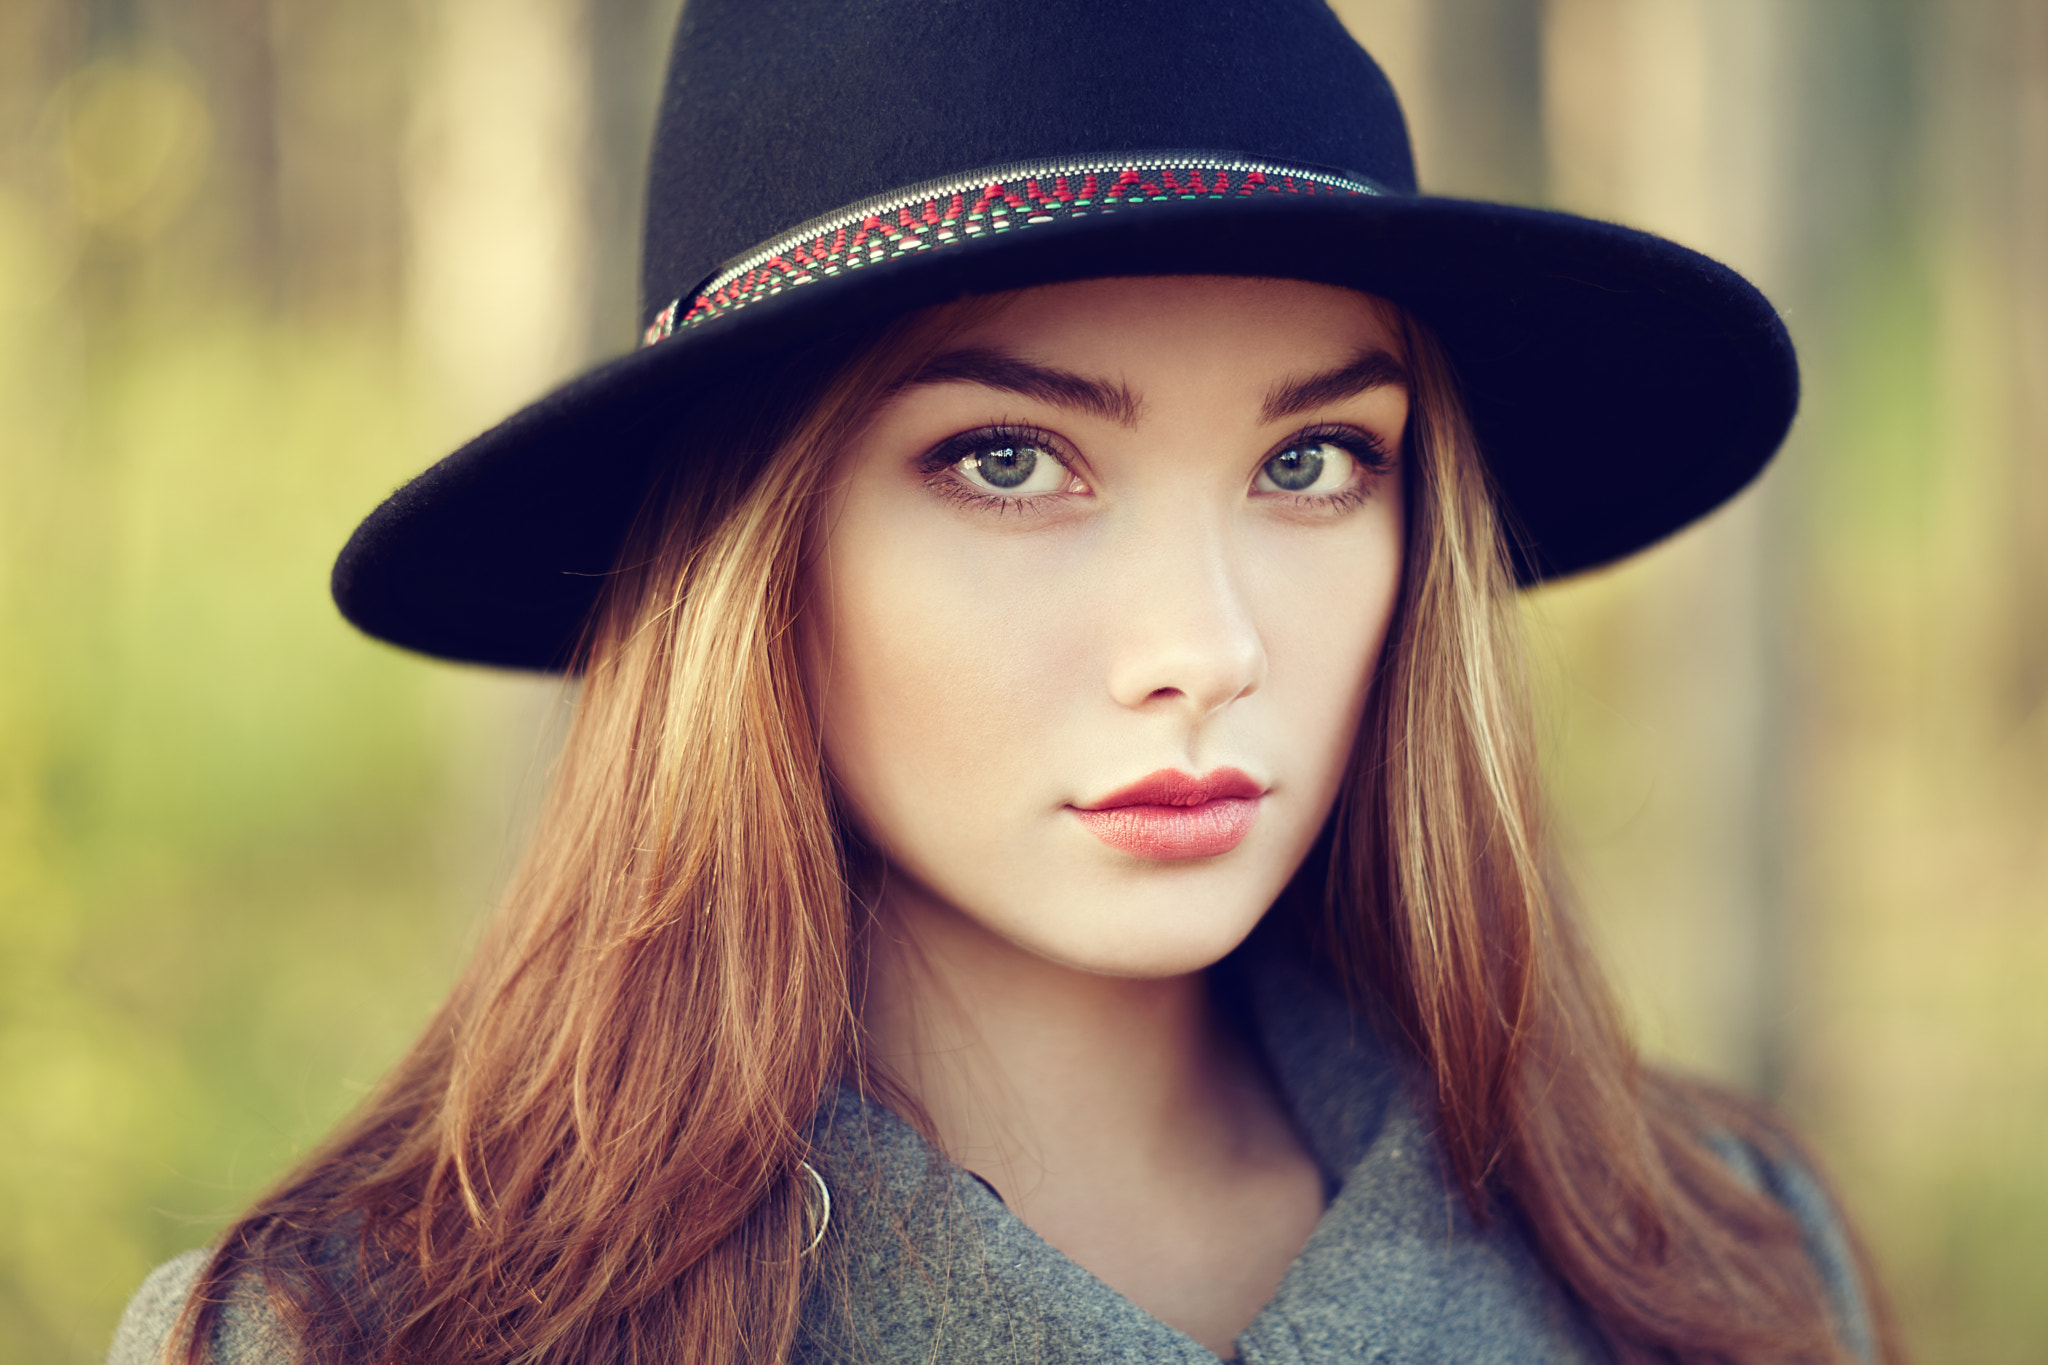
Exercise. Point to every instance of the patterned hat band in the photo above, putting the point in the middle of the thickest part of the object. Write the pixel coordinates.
(941, 213)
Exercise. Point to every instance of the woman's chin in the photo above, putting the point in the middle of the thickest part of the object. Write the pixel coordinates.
(1075, 902)
(1137, 937)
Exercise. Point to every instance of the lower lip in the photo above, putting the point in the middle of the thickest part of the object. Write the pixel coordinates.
(1168, 833)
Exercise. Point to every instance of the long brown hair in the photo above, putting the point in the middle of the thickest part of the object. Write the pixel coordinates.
(593, 1153)
(1440, 916)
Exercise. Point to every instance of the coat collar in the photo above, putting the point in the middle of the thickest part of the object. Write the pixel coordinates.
(924, 1263)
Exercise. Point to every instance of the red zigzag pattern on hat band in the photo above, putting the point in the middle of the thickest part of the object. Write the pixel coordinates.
(1007, 199)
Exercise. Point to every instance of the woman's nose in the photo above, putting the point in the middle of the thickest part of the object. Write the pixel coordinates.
(1184, 635)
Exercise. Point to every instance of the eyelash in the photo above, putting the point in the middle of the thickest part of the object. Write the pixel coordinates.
(1365, 447)
(937, 466)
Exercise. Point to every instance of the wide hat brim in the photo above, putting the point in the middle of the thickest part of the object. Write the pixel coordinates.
(1621, 387)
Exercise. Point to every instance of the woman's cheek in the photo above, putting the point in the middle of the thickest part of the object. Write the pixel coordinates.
(950, 659)
(1323, 605)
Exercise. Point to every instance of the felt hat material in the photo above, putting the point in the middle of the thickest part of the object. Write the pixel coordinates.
(821, 163)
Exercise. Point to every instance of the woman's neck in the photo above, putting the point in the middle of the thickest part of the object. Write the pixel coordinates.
(1120, 1118)
(1029, 1069)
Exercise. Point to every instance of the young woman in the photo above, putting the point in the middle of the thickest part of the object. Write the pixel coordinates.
(1049, 863)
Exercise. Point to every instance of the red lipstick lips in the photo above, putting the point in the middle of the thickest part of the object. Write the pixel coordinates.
(1169, 815)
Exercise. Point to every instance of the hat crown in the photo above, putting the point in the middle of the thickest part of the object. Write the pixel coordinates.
(777, 111)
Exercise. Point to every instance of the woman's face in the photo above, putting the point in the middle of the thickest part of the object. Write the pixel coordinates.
(1096, 605)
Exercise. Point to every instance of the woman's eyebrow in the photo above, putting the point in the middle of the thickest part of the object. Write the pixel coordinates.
(1368, 370)
(993, 369)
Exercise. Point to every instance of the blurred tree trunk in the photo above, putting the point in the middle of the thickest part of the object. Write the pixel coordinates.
(240, 43)
(1485, 99)
(1676, 116)
(2028, 23)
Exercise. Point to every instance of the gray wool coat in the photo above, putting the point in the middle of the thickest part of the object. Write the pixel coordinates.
(923, 1263)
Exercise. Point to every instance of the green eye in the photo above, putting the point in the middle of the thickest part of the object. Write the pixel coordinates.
(1310, 467)
(1007, 466)
(1295, 469)
(1012, 467)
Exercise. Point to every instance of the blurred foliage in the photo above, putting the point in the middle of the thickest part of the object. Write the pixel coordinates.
(1801, 754)
(1872, 624)
(231, 886)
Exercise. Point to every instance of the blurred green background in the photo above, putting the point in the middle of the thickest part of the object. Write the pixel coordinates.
(260, 260)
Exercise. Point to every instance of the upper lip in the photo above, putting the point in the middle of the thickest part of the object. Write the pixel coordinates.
(1171, 787)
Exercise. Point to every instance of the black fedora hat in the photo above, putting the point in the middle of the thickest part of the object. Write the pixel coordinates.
(819, 161)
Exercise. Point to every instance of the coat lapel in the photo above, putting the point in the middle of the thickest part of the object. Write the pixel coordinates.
(924, 1264)
(1396, 1271)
